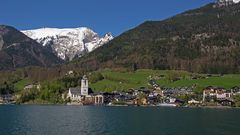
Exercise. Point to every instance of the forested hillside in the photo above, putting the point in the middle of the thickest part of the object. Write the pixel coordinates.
(204, 40)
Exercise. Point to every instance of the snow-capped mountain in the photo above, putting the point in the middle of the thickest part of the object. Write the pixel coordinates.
(224, 3)
(68, 43)
(234, 1)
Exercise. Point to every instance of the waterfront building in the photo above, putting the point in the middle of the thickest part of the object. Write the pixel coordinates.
(226, 102)
(83, 94)
(7, 98)
(88, 100)
(98, 99)
(78, 93)
(1, 99)
(93, 100)
(170, 100)
(215, 93)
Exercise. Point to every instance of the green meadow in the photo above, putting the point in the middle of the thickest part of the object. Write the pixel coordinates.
(115, 80)
(124, 80)
(21, 84)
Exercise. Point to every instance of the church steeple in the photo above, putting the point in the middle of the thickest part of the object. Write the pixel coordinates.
(84, 86)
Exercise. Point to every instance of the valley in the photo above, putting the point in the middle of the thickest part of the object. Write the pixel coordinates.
(193, 50)
(120, 67)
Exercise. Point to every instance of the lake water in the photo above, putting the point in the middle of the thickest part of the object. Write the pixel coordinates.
(90, 120)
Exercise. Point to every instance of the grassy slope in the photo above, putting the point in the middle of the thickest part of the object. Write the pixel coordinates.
(21, 84)
(124, 80)
(227, 81)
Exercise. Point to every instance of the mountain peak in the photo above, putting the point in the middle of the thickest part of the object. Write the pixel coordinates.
(109, 34)
(68, 43)
(54, 32)
(224, 3)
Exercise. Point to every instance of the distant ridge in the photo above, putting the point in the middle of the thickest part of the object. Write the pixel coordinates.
(17, 50)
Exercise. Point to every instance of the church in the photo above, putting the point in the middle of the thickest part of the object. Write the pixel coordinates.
(82, 94)
(77, 94)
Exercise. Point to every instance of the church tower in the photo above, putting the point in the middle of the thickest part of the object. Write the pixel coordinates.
(84, 86)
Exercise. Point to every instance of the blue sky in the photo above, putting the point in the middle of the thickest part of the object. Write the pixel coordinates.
(102, 16)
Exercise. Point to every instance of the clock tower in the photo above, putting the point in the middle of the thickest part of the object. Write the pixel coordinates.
(84, 86)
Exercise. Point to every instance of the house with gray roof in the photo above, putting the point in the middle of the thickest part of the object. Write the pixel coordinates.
(75, 94)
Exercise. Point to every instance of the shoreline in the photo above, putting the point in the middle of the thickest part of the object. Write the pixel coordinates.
(152, 106)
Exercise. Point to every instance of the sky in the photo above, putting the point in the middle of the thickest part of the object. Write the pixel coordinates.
(103, 16)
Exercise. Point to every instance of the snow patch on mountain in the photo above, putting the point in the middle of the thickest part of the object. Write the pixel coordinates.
(236, 1)
(68, 43)
(233, 1)
(225, 3)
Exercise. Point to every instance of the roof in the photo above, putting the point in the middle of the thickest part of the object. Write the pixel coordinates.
(227, 100)
(75, 91)
(215, 88)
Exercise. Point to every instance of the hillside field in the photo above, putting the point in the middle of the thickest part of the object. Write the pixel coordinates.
(123, 80)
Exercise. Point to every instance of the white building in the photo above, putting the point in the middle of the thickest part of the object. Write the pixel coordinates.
(216, 93)
(223, 95)
(99, 99)
(32, 86)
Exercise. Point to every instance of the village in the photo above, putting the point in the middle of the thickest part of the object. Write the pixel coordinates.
(171, 97)
(156, 96)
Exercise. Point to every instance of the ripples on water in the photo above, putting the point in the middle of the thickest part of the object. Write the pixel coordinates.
(90, 120)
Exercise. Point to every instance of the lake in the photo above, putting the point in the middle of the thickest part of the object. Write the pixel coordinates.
(93, 120)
